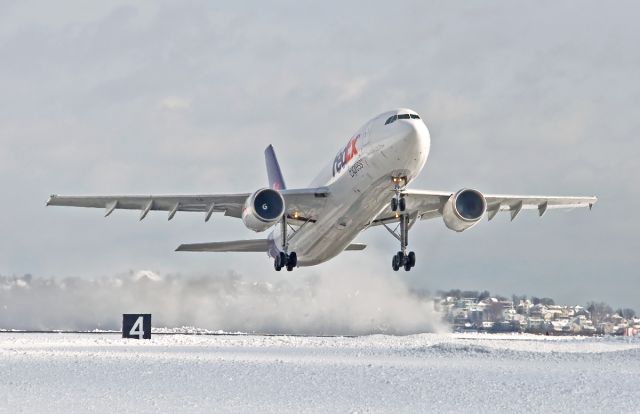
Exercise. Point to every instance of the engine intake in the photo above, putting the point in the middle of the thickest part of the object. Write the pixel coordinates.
(464, 209)
(263, 209)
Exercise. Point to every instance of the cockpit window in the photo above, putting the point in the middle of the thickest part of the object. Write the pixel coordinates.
(394, 118)
(391, 119)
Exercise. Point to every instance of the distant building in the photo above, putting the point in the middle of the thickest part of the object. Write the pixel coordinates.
(493, 315)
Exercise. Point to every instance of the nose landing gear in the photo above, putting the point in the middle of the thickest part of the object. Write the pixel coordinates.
(398, 202)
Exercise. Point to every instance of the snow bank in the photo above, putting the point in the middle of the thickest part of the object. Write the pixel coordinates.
(60, 373)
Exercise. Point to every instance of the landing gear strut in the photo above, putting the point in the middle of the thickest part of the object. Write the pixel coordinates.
(285, 259)
(399, 205)
(402, 258)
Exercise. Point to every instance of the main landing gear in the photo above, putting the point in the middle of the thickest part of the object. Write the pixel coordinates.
(288, 261)
(285, 259)
(399, 206)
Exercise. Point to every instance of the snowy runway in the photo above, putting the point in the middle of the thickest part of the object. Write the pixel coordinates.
(237, 373)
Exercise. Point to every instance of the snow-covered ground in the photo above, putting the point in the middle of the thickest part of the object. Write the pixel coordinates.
(417, 373)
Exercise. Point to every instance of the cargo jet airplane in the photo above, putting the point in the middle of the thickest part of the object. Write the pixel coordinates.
(364, 185)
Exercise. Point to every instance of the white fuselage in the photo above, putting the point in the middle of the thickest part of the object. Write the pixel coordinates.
(360, 185)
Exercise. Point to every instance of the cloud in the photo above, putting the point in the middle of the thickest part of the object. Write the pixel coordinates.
(174, 103)
(352, 88)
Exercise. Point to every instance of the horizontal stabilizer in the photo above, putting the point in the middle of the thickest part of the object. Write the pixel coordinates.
(261, 245)
(355, 246)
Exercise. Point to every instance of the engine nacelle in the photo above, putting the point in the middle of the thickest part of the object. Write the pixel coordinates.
(263, 209)
(464, 209)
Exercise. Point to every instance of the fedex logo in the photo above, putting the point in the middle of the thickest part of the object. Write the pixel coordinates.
(346, 155)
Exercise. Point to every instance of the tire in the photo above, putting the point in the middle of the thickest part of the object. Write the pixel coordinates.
(402, 204)
(401, 259)
(412, 259)
(275, 265)
(394, 204)
(407, 266)
(394, 263)
(282, 259)
(289, 268)
(293, 259)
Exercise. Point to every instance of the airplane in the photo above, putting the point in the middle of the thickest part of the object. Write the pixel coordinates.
(363, 186)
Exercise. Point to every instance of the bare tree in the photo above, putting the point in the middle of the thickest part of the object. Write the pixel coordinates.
(494, 311)
(626, 313)
(599, 311)
(547, 301)
(470, 294)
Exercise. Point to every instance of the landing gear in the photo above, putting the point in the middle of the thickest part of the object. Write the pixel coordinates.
(401, 260)
(284, 259)
(399, 205)
(288, 261)
(292, 261)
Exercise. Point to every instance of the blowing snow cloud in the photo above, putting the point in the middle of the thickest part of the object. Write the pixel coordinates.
(316, 305)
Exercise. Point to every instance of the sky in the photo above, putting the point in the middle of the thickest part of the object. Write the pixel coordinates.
(158, 97)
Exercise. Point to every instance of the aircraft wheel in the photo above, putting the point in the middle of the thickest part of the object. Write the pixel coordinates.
(402, 204)
(401, 259)
(394, 263)
(407, 266)
(275, 265)
(289, 268)
(293, 260)
(412, 259)
(394, 204)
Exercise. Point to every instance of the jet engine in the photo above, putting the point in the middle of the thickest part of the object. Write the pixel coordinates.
(263, 209)
(464, 209)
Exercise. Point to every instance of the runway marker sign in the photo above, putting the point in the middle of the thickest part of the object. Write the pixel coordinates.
(136, 325)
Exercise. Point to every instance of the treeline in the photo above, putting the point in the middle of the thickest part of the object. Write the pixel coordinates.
(599, 310)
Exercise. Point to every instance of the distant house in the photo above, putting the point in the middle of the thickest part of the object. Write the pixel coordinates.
(583, 326)
(537, 311)
(558, 327)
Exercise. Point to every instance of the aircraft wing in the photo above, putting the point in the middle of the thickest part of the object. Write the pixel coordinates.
(305, 203)
(426, 205)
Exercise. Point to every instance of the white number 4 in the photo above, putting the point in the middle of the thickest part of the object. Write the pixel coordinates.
(137, 328)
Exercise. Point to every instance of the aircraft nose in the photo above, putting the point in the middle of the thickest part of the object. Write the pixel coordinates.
(415, 145)
(416, 136)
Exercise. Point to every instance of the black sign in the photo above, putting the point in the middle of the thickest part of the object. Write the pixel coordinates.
(137, 326)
